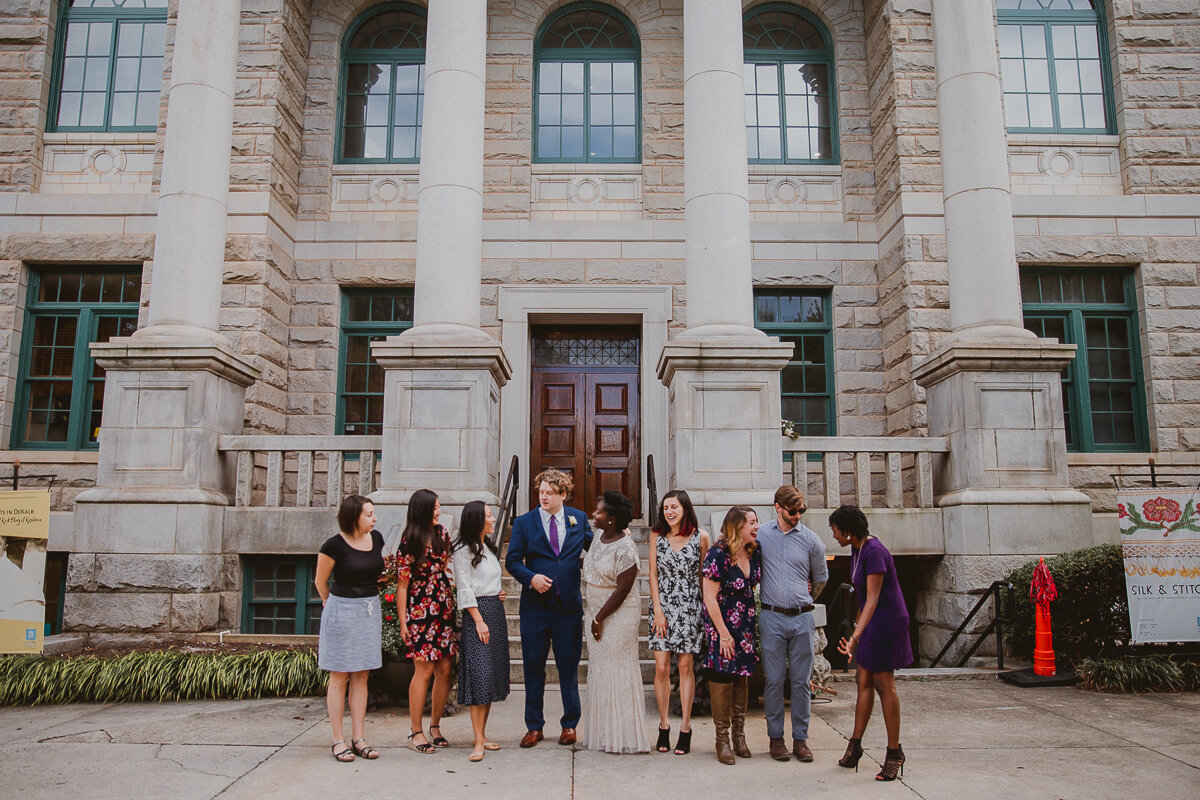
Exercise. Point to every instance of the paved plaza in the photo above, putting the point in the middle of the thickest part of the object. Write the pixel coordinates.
(964, 739)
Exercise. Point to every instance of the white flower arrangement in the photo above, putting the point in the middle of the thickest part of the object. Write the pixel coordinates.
(788, 429)
(571, 520)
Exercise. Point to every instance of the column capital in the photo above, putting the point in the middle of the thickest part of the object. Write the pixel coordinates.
(1014, 356)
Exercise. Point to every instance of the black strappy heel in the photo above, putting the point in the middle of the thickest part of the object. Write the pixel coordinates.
(854, 752)
(893, 765)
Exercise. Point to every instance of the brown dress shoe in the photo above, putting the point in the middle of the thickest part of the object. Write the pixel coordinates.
(779, 750)
(531, 738)
(800, 749)
(567, 737)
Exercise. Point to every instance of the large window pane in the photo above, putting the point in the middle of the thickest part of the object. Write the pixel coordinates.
(367, 316)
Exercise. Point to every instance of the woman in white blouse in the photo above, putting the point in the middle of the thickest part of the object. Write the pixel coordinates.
(483, 644)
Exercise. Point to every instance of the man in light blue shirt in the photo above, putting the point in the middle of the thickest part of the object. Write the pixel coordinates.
(793, 573)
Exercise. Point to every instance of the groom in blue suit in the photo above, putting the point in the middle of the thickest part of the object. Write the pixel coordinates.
(545, 555)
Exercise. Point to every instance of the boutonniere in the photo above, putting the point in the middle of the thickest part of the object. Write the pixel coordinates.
(571, 520)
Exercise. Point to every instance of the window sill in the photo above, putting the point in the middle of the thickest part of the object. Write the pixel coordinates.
(582, 168)
(27, 457)
(100, 137)
(1064, 139)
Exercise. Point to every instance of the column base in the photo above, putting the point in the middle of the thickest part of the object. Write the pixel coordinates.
(441, 419)
(725, 418)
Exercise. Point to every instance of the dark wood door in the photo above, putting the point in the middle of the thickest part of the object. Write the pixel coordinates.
(585, 409)
(585, 423)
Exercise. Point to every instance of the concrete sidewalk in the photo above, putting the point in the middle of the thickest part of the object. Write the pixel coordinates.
(976, 739)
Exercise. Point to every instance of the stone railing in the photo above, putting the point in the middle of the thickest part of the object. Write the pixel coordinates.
(884, 471)
(298, 471)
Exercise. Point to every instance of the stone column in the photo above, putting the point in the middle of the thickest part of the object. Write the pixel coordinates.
(722, 373)
(992, 388)
(443, 376)
(152, 526)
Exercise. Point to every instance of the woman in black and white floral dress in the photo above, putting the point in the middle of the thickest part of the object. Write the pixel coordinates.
(676, 610)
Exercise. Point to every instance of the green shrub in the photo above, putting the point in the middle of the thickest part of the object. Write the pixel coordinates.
(1090, 616)
(159, 676)
(1139, 674)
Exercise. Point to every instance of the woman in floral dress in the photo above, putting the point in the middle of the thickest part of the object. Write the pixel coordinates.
(732, 568)
(425, 604)
(677, 548)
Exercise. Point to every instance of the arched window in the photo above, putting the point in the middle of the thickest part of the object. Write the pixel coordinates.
(1053, 66)
(383, 86)
(790, 101)
(586, 87)
(108, 65)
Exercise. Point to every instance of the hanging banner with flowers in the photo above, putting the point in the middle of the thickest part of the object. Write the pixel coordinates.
(1160, 542)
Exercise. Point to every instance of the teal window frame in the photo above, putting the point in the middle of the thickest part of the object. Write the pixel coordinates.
(393, 58)
(373, 330)
(587, 57)
(819, 57)
(88, 316)
(792, 331)
(305, 599)
(1048, 19)
(118, 17)
(1077, 378)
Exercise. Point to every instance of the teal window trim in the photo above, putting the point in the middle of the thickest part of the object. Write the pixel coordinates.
(88, 316)
(349, 328)
(306, 599)
(117, 16)
(824, 329)
(587, 57)
(1047, 19)
(393, 58)
(1077, 378)
(822, 57)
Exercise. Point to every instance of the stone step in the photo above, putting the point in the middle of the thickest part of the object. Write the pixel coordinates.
(514, 625)
(512, 602)
(644, 652)
(516, 672)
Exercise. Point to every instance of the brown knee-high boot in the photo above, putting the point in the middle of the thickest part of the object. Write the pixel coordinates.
(737, 716)
(721, 695)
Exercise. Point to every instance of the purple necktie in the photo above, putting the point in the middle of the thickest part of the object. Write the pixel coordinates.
(554, 533)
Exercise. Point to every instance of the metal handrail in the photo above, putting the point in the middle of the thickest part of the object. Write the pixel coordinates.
(652, 488)
(508, 502)
(843, 598)
(997, 624)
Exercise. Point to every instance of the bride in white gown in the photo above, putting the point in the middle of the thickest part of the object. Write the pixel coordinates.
(615, 710)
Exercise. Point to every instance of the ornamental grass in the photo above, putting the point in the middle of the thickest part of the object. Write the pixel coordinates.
(159, 676)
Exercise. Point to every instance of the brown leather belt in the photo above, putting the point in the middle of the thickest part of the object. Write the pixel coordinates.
(788, 612)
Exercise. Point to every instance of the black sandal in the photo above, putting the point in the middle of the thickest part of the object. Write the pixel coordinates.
(664, 740)
(439, 740)
(365, 750)
(424, 748)
(684, 745)
(853, 755)
(341, 755)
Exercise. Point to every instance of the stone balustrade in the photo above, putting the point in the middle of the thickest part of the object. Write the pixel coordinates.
(885, 471)
(282, 471)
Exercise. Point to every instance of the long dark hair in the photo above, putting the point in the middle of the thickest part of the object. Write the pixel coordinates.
(687, 525)
(470, 532)
(420, 533)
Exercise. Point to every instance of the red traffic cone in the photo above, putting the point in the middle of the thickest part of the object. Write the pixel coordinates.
(1042, 591)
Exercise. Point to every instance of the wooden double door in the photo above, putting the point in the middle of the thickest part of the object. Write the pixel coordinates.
(586, 411)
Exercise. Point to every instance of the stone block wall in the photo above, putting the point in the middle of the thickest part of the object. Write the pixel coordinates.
(25, 33)
(1155, 48)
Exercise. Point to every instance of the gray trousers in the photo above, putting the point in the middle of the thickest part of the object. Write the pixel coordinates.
(786, 642)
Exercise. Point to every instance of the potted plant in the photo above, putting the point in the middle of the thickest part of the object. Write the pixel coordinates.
(389, 683)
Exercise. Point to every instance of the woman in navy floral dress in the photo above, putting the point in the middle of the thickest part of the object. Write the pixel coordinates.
(425, 603)
(732, 568)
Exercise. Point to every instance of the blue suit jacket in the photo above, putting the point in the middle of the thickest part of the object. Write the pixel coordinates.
(529, 554)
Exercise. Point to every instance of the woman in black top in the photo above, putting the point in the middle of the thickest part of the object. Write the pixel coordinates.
(349, 645)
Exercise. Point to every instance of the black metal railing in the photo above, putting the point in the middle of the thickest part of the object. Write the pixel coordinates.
(997, 624)
(652, 489)
(508, 503)
(844, 608)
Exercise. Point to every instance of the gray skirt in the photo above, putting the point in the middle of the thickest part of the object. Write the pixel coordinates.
(351, 634)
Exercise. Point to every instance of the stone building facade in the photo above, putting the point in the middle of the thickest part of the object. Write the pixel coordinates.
(914, 232)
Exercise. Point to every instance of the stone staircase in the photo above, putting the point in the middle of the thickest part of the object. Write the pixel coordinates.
(512, 589)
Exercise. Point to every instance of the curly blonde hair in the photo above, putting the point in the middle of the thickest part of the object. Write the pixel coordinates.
(561, 481)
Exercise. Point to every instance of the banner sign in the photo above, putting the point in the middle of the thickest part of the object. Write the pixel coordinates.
(24, 529)
(1160, 542)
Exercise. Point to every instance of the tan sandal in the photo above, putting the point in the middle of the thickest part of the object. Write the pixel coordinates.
(490, 745)
(476, 755)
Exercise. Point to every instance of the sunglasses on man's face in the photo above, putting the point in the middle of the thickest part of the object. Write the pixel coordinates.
(798, 510)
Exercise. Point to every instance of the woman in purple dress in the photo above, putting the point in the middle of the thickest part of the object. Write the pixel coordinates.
(880, 643)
